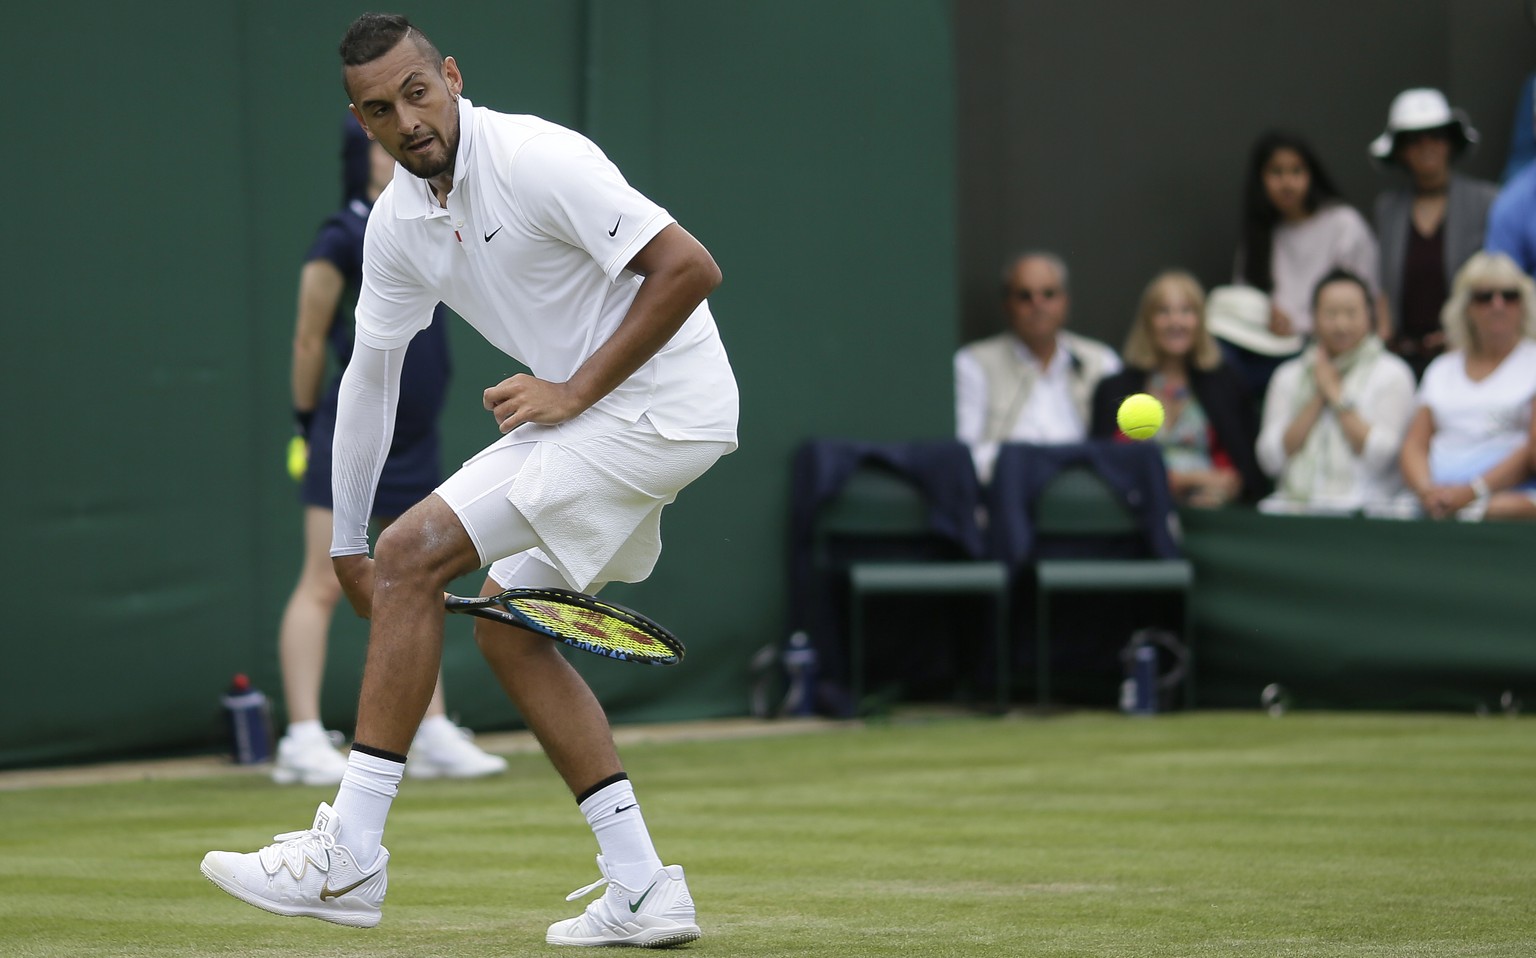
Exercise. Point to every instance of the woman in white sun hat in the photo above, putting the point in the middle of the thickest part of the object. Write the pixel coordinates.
(1431, 224)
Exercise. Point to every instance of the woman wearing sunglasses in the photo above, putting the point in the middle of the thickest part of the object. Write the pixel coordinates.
(1467, 451)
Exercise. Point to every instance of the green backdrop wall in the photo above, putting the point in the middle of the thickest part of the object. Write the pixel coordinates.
(179, 163)
(1361, 613)
(178, 157)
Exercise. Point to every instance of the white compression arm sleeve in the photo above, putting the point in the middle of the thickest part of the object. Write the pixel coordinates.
(365, 426)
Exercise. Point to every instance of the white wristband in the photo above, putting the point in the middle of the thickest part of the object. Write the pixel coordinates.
(1479, 487)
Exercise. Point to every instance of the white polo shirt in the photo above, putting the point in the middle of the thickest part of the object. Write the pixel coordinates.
(531, 251)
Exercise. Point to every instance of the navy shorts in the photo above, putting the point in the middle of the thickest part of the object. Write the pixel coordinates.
(411, 472)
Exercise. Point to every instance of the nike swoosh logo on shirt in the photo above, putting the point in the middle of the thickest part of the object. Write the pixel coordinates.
(489, 236)
(616, 223)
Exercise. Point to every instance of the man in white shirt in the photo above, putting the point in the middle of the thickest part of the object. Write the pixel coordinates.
(526, 230)
(1034, 382)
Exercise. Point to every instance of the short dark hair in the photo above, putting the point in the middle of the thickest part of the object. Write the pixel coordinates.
(1340, 275)
(374, 34)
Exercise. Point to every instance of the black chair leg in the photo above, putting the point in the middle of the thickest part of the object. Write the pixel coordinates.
(856, 651)
(1042, 649)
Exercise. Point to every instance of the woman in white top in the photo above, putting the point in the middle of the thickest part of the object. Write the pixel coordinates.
(1467, 451)
(1334, 416)
(1296, 228)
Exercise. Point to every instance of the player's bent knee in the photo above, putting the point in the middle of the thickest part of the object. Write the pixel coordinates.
(427, 544)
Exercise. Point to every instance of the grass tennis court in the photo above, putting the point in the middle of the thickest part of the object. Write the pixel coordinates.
(1212, 834)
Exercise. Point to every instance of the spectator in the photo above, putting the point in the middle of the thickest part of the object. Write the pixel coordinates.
(1208, 432)
(1034, 382)
(1429, 226)
(1296, 228)
(328, 286)
(1512, 221)
(1334, 416)
(1468, 446)
(1522, 140)
(1239, 320)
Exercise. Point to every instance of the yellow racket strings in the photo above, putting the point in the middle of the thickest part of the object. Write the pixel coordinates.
(593, 627)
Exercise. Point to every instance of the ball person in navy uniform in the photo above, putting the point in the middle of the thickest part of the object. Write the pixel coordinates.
(328, 287)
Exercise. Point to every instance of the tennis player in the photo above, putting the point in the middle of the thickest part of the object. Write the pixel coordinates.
(526, 230)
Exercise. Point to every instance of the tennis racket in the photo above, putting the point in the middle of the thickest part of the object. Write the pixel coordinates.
(578, 620)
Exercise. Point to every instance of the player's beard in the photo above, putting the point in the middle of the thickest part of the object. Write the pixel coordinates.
(435, 163)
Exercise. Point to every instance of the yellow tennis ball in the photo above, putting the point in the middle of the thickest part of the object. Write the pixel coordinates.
(298, 458)
(1140, 416)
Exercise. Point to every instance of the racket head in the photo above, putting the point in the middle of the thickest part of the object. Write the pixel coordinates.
(579, 621)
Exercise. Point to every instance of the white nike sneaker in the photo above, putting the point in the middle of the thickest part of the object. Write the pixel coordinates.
(443, 750)
(306, 874)
(657, 916)
(308, 759)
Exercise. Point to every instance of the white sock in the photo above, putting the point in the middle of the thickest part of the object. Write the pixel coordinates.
(298, 731)
(362, 802)
(626, 846)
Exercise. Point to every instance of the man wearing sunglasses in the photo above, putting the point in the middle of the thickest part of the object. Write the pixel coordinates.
(1033, 382)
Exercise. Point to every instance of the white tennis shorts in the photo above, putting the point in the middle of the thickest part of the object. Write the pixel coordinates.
(581, 502)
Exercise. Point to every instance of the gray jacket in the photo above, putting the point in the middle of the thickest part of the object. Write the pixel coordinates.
(1466, 219)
